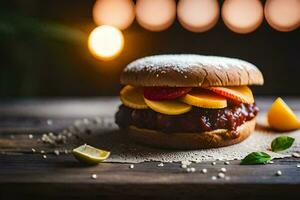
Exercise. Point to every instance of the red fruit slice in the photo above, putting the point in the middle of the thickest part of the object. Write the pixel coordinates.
(165, 93)
(236, 93)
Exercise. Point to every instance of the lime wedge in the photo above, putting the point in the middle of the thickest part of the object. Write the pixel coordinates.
(89, 154)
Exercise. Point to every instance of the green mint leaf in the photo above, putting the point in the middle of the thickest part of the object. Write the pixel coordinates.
(256, 158)
(282, 143)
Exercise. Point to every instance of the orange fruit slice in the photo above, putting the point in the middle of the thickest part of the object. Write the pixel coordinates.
(133, 97)
(236, 93)
(204, 98)
(168, 107)
(281, 117)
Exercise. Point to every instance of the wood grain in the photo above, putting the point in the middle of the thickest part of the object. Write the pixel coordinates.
(28, 175)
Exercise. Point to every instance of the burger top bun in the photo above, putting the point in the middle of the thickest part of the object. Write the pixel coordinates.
(184, 70)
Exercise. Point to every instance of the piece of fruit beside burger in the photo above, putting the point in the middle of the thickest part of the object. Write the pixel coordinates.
(281, 117)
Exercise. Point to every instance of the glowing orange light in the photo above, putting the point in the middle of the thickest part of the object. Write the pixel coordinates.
(283, 15)
(106, 42)
(198, 16)
(117, 13)
(155, 15)
(242, 16)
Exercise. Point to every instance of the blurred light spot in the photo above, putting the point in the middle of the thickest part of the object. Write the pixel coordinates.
(155, 15)
(242, 16)
(118, 13)
(283, 15)
(198, 16)
(106, 42)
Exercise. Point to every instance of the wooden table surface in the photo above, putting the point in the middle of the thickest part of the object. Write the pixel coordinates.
(28, 175)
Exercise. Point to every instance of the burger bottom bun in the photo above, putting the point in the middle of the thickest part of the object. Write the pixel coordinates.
(189, 141)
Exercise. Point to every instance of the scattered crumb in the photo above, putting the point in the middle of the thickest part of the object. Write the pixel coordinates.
(213, 163)
(204, 171)
(33, 150)
(44, 156)
(278, 173)
(271, 162)
(227, 163)
(49, 122)
(190, 169)
(296, 155)
(94, 176)
(213, 178)
(51, 138)
(183, 166)
(221, 175)
(160, 165)
(56, 152)
(227, 178)
(131, 166)
(298, 165)
(30, 136)
(42, 151)
(223, 169)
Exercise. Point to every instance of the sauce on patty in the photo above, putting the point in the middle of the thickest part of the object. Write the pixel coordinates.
(196, 120)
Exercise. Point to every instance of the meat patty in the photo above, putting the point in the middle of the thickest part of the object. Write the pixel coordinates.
(196, 120)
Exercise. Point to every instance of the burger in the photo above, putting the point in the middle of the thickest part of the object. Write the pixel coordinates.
(188, 101)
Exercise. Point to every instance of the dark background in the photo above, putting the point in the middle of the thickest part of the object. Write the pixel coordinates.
(43, 51)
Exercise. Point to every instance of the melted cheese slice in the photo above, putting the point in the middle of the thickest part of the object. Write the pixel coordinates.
(168, 107)
(133, 97)
(204, 99)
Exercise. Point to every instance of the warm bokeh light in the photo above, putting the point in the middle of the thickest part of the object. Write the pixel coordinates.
(242, 16)
(198, 16)
(118, 13)
(283, 15)
(155, 15)
(106, 42)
